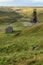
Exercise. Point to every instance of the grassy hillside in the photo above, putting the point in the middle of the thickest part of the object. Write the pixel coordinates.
(21, 14)
(25, 45)
(25, 48)
(7, 15)
(27, 12)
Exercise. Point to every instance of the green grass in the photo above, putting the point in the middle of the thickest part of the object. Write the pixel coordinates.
(25, 45)
(23, 49)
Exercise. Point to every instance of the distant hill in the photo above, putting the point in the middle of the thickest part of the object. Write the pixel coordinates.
(7, 15)
(21, 14)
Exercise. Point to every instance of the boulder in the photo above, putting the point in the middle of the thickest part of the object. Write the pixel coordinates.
(9, 30)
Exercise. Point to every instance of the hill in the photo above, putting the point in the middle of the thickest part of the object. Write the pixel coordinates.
(27, 12)
(25, 48)
(7, 15)
(22, 14)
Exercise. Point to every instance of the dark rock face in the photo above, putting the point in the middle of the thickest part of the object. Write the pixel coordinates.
(34, 17)
(9, 30)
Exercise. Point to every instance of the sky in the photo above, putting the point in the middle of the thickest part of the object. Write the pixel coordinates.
(21, 2)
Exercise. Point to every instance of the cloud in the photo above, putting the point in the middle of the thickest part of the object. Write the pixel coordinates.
(34, 1)
(38, 1)
(21, 2)
(5, 1)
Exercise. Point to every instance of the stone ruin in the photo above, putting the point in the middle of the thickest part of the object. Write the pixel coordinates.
(34, 16)
(9, 30)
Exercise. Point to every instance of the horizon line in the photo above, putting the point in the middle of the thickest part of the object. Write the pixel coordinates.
(19, 6)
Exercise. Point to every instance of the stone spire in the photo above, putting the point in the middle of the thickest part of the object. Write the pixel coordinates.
(34, 17)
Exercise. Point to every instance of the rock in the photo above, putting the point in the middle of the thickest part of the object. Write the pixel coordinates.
(9, 30)
(34, 17)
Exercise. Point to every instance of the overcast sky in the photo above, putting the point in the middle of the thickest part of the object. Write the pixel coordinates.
(21, 2)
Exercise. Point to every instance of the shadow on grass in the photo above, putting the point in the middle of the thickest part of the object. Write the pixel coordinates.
(17, 33)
